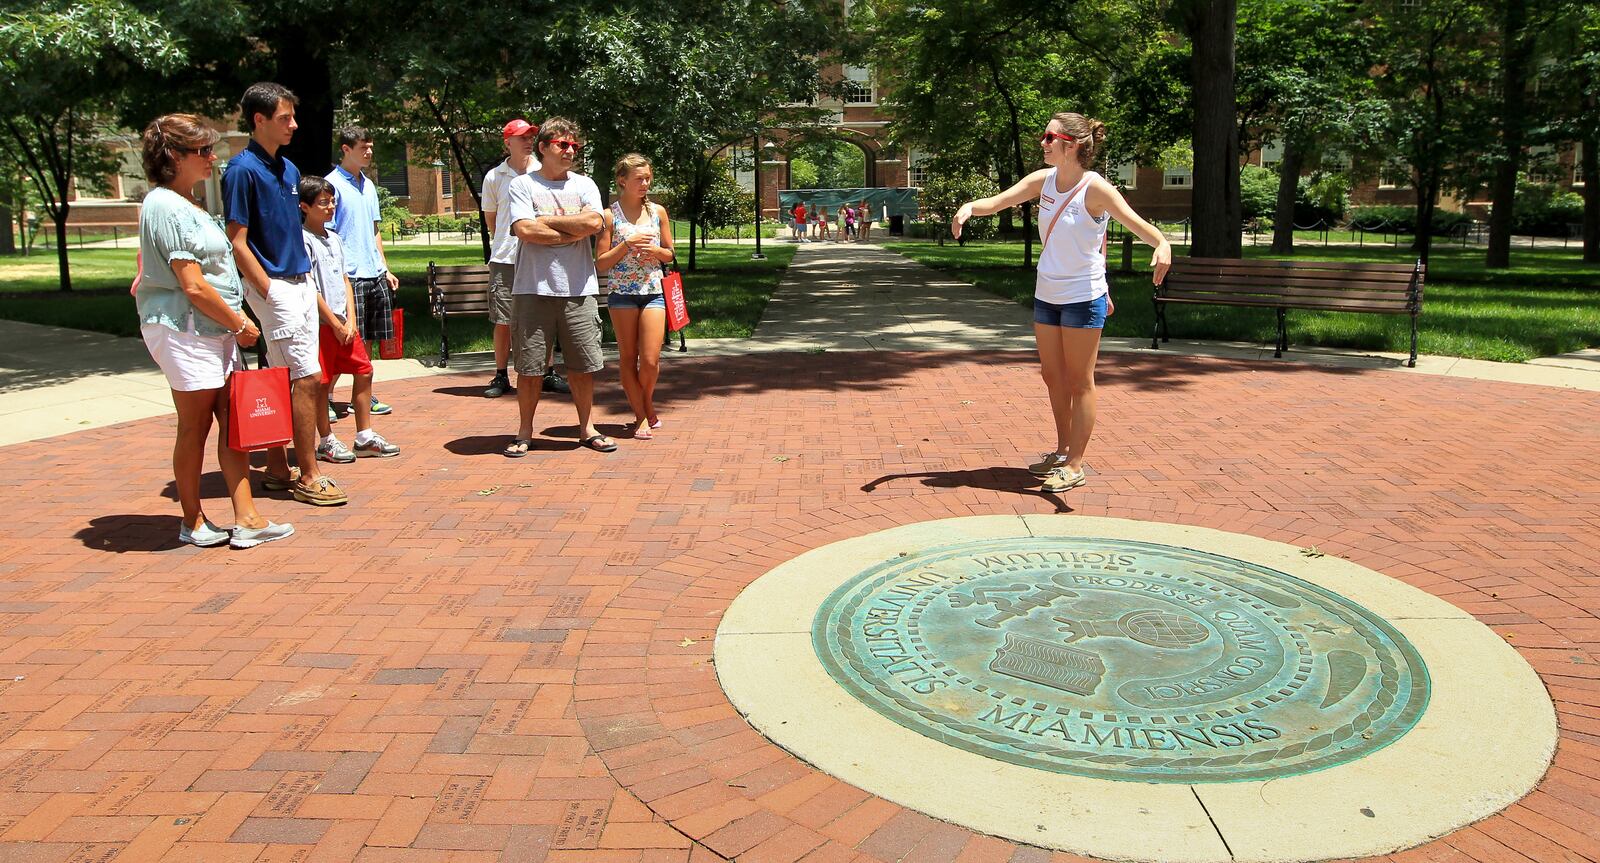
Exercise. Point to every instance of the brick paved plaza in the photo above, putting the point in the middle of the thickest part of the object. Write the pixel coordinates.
(487, 660)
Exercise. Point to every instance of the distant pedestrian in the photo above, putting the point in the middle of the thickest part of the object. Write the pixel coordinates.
(799, 225)
(849, 222)
(341, 350)
(190, 306)
(864, 218)
(553, 213)
(824, 225)
(359, 222)
(518, 136)
(262, 199)
(1071, 296)
(635, 240)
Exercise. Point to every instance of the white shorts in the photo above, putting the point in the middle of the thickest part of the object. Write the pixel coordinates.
(288, 317)
(191, 362)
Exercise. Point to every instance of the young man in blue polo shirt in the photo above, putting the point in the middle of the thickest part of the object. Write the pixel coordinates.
(356, 219)
(262, 201)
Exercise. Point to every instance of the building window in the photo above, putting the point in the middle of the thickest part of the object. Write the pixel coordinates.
(916, 167)
(858, 89)
(1337, 162)
(396, 179)
(742, 168)
(1271, 154)
(1542, 166)
(1177, 178)
(446, 187)
(1577, 165)
(1395, 175)
(1126, 176)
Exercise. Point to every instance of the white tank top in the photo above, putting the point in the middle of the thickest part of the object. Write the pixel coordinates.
(1072, 263)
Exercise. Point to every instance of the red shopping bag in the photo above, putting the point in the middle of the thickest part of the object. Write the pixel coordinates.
(258, 409)
(677, 306)
(395, 348)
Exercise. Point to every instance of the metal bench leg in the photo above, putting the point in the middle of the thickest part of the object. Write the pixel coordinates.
(683, 346)
(1155, 329)
(1413, 361)
(444, 340)
(1283, 335)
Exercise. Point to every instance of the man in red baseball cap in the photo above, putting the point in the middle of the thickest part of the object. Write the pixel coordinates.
(519, 136)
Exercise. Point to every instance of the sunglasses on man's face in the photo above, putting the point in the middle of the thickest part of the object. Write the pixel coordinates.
(559, 144)
(203, 152)
(1050, 138)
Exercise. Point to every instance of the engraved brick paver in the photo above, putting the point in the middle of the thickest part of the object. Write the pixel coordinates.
(481, 659)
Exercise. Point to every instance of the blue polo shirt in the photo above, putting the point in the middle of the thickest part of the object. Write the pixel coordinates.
(261, 192)
(355, 218)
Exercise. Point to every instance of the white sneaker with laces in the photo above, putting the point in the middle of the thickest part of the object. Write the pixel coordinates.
(376, 447)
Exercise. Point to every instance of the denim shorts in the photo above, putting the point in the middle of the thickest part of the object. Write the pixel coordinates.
(1088, 315)
(636, 301)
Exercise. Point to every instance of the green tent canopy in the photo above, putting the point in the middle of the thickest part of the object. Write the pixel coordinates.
(883, 203)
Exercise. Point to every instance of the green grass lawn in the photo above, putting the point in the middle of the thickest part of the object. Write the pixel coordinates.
(1549, 303)
(727, 293)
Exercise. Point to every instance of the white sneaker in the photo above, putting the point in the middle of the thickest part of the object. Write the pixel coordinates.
(206, 535)
(376, 447)
(333, 451)
(244, 537)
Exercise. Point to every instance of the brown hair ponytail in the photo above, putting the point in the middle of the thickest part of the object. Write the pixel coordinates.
(1090, 135)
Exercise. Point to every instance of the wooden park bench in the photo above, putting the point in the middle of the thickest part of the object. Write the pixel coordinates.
(463, 289)
(1384, 289)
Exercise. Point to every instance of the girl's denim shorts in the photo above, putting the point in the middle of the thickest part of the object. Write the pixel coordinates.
(1089, 315)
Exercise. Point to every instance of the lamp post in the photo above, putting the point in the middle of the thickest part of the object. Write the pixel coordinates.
(755, 159)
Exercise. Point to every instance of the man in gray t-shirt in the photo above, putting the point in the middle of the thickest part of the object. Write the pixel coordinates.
(553, 213)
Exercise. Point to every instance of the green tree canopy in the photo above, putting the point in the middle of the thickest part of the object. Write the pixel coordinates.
(64, 68)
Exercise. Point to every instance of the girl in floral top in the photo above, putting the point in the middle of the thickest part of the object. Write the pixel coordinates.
(635, 240)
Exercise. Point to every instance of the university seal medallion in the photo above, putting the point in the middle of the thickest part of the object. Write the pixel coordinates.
(1119, 659)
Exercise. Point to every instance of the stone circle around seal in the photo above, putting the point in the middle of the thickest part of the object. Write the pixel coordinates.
(1120, 659)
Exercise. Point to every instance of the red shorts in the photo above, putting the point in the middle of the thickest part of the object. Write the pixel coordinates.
(341, 359)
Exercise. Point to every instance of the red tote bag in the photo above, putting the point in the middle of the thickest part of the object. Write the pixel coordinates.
(677, 306)
(258, 409)
(395, 348)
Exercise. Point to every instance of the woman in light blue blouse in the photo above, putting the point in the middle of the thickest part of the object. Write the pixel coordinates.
(189, 299)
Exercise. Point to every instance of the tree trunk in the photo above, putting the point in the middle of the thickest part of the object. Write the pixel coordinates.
(1427, 191)
(1008, 224)
(1516, 52)
(1591, 200)
(1019, 164)
(1288, 187)
(60, 216)
(8, 242)
(1216, 208)
(308, 76)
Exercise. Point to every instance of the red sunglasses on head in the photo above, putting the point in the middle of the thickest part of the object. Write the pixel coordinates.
(1051, 137)
(560, 144)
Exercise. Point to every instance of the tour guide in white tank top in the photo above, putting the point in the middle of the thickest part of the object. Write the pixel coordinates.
(1072, 262)
(1071, 298)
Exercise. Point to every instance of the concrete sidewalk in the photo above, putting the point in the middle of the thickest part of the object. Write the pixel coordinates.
(834, 297)
(853, 297)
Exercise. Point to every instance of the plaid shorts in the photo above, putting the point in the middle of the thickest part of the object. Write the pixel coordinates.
(374, 309)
